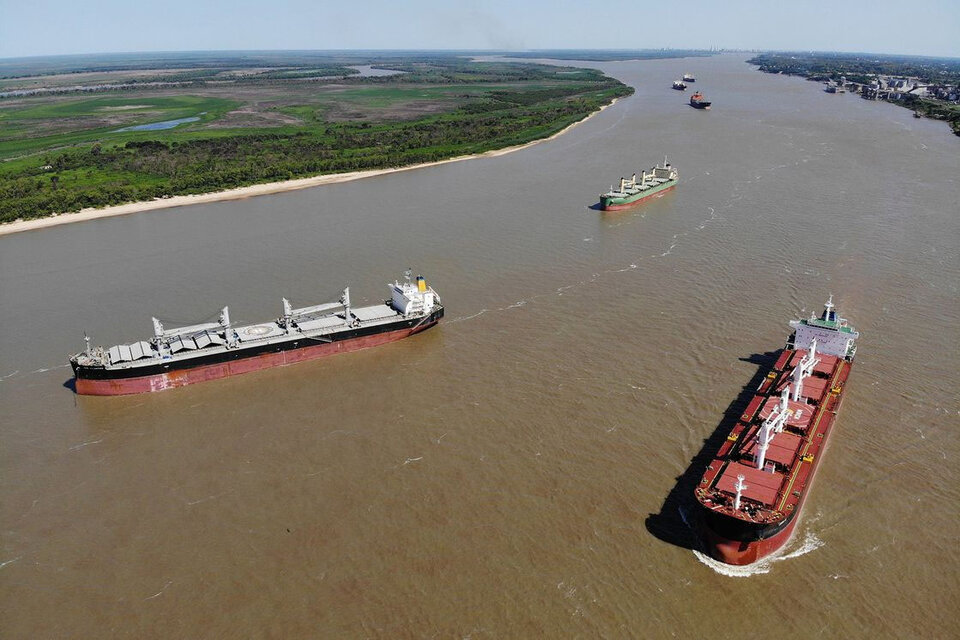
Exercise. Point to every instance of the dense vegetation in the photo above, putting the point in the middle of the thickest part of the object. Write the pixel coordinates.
(864, 69)
(476, 107)
(861, 68)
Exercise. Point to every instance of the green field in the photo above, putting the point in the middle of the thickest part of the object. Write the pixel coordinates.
(66, 152)
(65, 123)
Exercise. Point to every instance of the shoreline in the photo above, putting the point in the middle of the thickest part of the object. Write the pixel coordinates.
(267, 188)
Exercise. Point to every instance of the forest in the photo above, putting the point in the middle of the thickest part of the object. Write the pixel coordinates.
(66, 153)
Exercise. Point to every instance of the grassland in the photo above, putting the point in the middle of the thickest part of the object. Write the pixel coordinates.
(267, 122)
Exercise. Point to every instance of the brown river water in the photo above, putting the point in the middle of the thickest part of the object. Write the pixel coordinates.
(523, 469)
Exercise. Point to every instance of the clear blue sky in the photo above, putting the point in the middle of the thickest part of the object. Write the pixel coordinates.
(42, 27)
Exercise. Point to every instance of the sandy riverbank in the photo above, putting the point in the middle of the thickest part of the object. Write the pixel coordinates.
(255, 190)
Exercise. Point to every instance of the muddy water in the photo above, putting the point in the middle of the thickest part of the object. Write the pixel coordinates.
(518, 471)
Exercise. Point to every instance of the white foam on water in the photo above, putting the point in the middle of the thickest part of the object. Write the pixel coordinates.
(460, 319)
(793, 549)
(810, 543)
(17, 373)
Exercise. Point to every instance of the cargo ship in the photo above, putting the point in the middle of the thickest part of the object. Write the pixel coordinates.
(660, 180)
(182, 356)
(679, 86)
(697, 101)
(752, 491)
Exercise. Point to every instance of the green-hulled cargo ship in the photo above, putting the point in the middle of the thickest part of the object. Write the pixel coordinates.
(631, 192)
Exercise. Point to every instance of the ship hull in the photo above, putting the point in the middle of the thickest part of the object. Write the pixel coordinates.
(110, 383)
(734, 541)
(739, 553)
(700, 105)
(617, 204)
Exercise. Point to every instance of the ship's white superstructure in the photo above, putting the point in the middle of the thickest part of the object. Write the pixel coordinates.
(831, 333)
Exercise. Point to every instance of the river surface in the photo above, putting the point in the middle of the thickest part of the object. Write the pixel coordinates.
(520, 470)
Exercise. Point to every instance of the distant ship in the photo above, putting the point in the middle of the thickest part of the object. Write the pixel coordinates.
(697, 101)
(679, 86)
(688, 77)
(660, 180)
(177, 357)
(754, 488)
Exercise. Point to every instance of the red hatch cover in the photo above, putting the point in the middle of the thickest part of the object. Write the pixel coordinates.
(800, 412)
(813, 388)
(826, 365)
(781, 450)
(762, 486)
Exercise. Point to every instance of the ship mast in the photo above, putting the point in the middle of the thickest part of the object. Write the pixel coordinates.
(345, 300)
(227, 330)
(740, 487)
(804, 369)
(771, 426)
(784, 410)
(765, 438)
(287, 314)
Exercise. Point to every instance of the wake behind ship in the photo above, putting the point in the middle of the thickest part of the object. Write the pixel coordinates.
(177, 357)
(752, 491)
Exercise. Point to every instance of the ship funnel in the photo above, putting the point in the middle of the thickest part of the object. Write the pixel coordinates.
(421, 284)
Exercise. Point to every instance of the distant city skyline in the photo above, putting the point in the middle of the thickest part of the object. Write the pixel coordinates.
(57, 27)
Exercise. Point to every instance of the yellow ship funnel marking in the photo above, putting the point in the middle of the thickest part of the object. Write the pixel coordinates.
(421, 284)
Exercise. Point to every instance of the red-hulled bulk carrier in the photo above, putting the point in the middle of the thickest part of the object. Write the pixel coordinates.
(752, 491)
(177, 357)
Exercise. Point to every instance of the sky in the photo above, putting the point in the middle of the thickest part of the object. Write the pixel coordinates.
(53, 27)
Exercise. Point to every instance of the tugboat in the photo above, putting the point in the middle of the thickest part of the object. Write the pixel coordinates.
(697, 101)
(752, 491)
(679, 86)
(688, 77)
